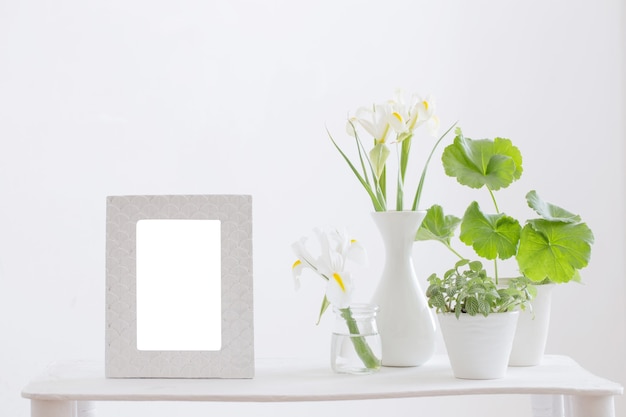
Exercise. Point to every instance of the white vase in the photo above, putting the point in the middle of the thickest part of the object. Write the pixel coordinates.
(532, 330)
(478, 347)
(406, 325)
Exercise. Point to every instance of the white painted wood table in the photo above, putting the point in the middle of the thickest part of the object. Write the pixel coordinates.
(559, 387)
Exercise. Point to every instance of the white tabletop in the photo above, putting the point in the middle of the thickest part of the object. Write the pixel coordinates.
(288, 380)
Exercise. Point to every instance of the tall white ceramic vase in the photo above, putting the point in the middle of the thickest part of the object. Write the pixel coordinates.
(406, 325)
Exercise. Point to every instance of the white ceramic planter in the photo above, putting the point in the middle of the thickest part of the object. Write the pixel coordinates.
(405, 322)
(478, 346)
(531, 335)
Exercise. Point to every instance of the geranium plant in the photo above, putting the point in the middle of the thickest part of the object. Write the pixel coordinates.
(552, 247)
(391, 123)
(336, 251)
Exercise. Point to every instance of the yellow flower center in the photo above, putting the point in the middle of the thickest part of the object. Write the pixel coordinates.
(425, 105)
(397, 116)
(296, 263)
(337, 278)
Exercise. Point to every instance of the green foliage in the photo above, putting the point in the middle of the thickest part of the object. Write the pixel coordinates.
(323, 308)
(549, 211)
(553, 249)
(371, 187)
(378, 156)
(466, 288)
(550, 248)
(436, 226)
(477, 163)
(491, 235)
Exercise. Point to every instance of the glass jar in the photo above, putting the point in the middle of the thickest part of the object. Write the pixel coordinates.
(355, 346)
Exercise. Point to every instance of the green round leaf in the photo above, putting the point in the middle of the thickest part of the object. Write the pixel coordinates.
(436, 226)
(475, 163)
(491, 235)
(554, 250)
(550, 211)
(503, 146)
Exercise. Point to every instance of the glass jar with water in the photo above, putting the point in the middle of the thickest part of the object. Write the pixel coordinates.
(355, 345)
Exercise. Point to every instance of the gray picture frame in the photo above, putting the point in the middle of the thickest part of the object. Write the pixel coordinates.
(236, 357)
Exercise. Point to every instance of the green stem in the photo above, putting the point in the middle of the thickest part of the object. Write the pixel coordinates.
(360, 152)
(382, 186)
(495, 269)
(360, 344)
(399, 186)
(403, 162)
(493, 198)
(454, 252)
(495, 261)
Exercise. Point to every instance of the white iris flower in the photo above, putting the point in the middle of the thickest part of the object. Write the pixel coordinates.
(335, 250)
(399, 117)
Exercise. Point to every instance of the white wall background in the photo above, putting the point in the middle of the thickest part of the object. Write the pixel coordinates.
(152, 97)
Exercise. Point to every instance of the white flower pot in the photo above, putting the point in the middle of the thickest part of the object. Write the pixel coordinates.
(478, 346)
(405, 322)
(531, 335)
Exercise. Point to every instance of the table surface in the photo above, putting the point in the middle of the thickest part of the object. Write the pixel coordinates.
(290, 380)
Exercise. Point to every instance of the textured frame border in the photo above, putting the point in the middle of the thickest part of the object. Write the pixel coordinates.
(236, 358)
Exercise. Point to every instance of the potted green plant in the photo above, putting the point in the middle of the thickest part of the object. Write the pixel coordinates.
(477, 318)
(549, 248)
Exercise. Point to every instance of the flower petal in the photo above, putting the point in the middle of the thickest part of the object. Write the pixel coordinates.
(296, 271)
(356, 253)
(351, 126)
(397, 122)
(299, 248)
(433, 125)
(339, 290)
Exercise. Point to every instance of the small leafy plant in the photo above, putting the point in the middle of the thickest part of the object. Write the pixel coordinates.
(466, 288)
(552, 247)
